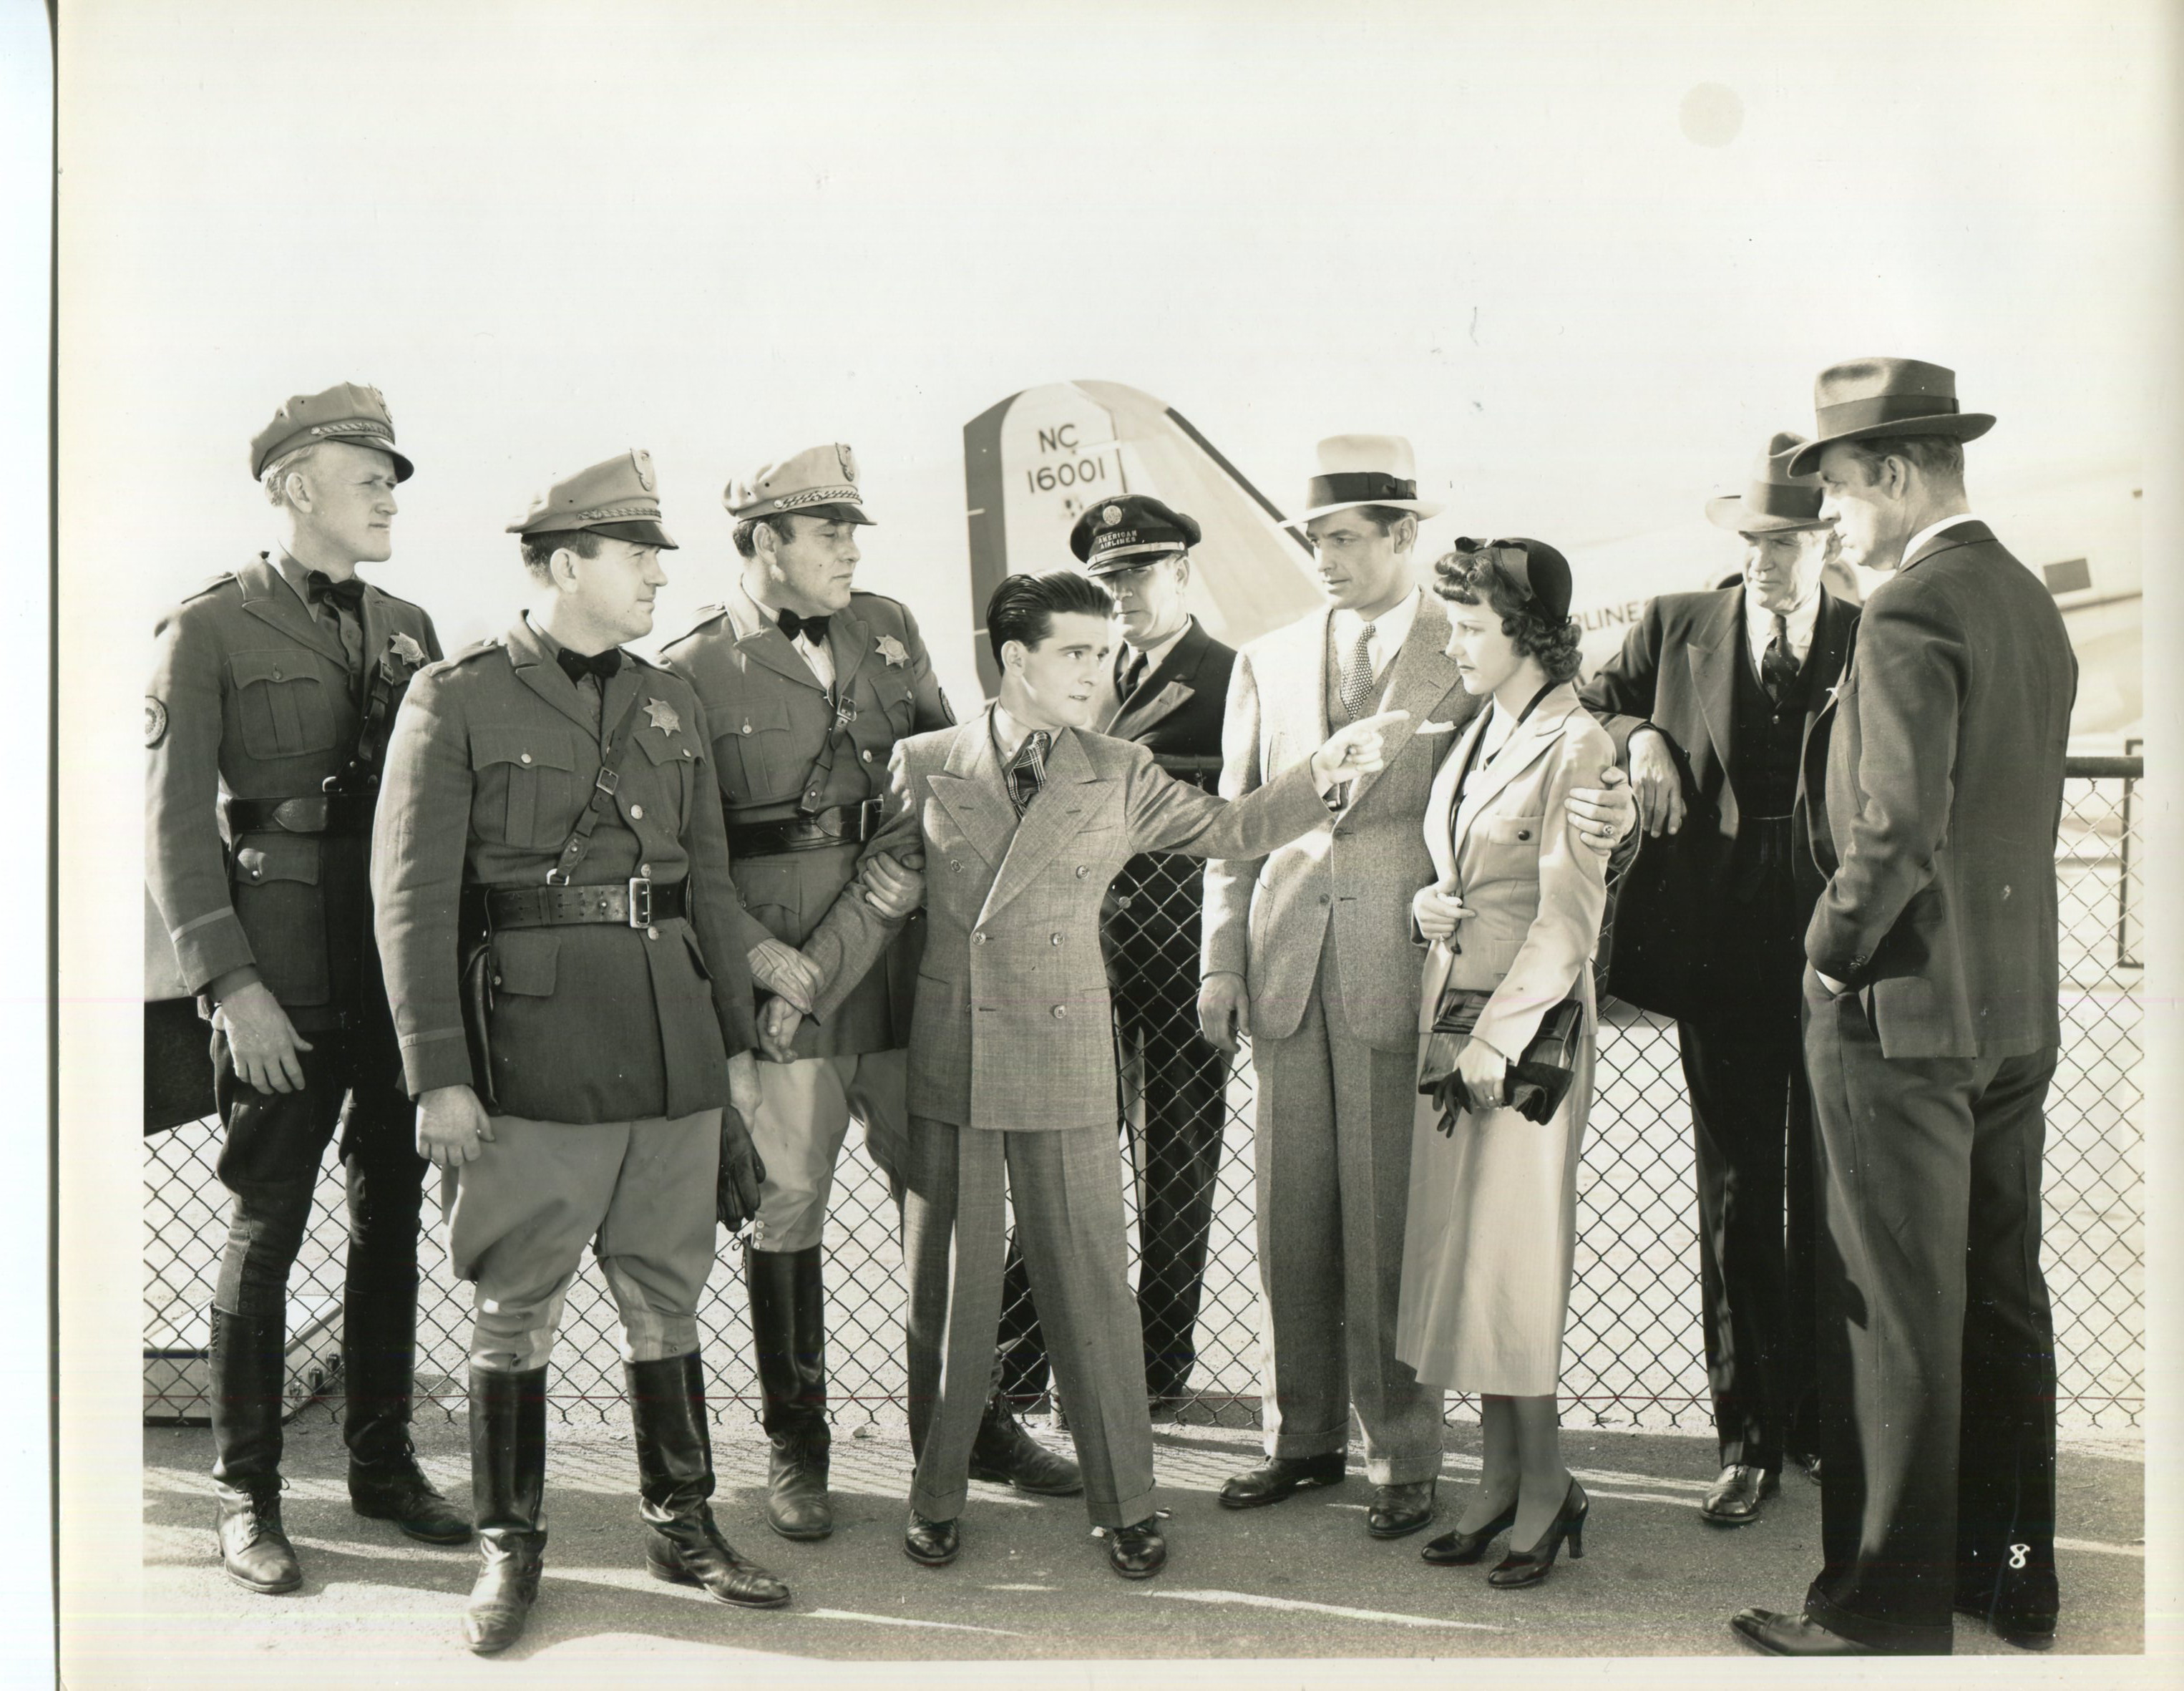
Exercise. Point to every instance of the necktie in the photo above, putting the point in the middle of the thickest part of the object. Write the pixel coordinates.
(1028, 768)
(1132, 677)
(813, 628)
(347, 600)
(1778, 668)
(604, 665)
(1357, 689)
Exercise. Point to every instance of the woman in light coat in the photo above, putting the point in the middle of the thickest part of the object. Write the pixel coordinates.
(1515, 911)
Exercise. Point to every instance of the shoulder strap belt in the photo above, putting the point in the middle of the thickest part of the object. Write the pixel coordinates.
(603, 790)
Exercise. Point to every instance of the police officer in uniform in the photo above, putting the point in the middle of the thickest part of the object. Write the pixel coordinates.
(808, 684)
(266, 722)
(564, 957)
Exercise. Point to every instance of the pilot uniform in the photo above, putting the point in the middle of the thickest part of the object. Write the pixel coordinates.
(561, 933)
(803, 725)
(266, 722)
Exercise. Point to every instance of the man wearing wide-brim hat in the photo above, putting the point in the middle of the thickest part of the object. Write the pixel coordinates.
(1711, 697)
(265, 723)
(1309, 950)
(1931, 800)
(565, 965)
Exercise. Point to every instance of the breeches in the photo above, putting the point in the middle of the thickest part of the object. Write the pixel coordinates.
(640, 1191)
(804, 1114)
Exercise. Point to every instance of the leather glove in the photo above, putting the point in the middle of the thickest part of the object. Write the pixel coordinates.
(735, 1194)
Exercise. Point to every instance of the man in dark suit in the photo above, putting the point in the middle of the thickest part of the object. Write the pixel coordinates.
(1711, 697)
(265, 724)
(1931, 801)
(1165, 689)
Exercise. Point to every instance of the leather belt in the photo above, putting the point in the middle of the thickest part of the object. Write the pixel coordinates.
(843, 825)
(315, 813)
(635, 904)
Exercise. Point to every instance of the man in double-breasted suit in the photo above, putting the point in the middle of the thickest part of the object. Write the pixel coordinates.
(1310, 948)
(567, 973)
(1025, 820)
(1165, 689)
(1711, 694)
(266, 721)
(808, 684)
(1931, 800)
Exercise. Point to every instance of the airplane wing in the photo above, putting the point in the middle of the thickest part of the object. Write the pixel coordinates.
(1033, 463)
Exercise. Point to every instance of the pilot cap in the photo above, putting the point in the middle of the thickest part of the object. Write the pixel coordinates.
(619, 498)
(345, 412)
(821, 481)
(1122, 532)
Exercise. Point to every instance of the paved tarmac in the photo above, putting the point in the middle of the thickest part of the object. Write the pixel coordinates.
(1299, 1580)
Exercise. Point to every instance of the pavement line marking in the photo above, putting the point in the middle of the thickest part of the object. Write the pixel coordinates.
(2097, 1549)
(899, 1621)
(1253, 1600)
(408, 1552)
(1019, 1586)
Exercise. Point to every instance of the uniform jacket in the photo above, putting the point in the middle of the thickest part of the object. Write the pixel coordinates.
(1153, 919)
(1677, 673)
(1536, 894)
(1013, 1027)
(771, 719)
(1267, 917)
(251, 696)
(493, 758)
(1932, 795)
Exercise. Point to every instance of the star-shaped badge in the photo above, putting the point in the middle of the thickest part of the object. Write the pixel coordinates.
(407, 648)
(663, 715)
(893, 650)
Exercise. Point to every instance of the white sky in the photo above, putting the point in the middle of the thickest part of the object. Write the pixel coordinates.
(726, 232)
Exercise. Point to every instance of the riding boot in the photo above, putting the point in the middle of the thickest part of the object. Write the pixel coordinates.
(248, 1363)
(675, 1480)
(379, 1359)
(508, 1492)
(789, 1328)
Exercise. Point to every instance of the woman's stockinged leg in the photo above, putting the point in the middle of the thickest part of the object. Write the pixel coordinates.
(1500, 1467)
(1544, 1482)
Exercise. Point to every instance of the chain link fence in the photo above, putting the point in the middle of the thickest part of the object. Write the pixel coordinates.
(1634, 1355)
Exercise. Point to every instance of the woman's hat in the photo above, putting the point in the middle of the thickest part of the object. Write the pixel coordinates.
(1880, 398)
(1775, 499)
(1364, 469)
(1543, 572)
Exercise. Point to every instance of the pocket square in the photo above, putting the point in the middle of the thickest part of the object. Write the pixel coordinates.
(1435, 728)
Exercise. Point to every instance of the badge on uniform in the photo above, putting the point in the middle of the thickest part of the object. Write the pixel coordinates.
(404, 657)
(893, 650)
(663, 715)
(155, 722)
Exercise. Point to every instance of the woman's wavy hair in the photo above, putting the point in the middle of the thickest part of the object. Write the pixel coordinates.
(1474, 578)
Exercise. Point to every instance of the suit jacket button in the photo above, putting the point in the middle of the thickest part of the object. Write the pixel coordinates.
(1323, 898)
(747, 728)
(955, 866)
(527, 757)
(276, 675)
(652, 933)
(1082, 870)
(1523, 834)
(637, 812)
(866, 755)
(1054, 939)
(978, 939)
(645, 871)
(1060, 1012)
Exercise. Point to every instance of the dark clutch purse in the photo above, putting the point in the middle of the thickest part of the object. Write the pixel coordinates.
(1537, 1081)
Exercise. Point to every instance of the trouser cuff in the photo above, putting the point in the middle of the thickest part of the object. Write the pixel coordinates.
(1892, 1637)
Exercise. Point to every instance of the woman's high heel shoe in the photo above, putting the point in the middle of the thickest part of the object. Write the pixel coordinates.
(1460, 1549)
(1530, 1567)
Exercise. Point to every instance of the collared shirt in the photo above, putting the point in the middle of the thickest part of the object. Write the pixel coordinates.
(325, 613)
(1759, 627)
(1108, 702)
(816, 657)
(1911, 548)
(589, 692)
(1390, 628)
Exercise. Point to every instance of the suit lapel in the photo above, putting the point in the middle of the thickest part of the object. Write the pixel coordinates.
(1072, 789)
(1832, 636)
(1165, 690)
(536, 669)
(971, 789)
(759, 639)
(1522, 749)
(849, 643)
(267, 596)
(376, 636)
(1713, 655)
(1422, 676)
(1965, 532)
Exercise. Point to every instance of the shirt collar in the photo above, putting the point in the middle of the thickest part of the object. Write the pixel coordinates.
(1911, 548)
(293, 573)
(1390, 628)
(1156, 654)
(1759, 622)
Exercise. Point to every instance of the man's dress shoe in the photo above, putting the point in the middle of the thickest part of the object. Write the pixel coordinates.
(1734, 1498)
(933, 1542)
(400, 1491)
(1810, 1462)
(1137, 1552)
(2027, 1630)
(1398, 1511)
(1778, 1634)
(1280, 1477)
(1004, 1453)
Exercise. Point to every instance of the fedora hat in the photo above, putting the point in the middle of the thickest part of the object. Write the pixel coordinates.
(1364, 469)
(1773, 500)
(1880, 398)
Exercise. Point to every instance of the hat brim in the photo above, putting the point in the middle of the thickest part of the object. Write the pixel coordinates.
(1135, 557)
(640, 531)
(834, 513)
(1730, 511)
(1950, 425)
(403, 469)
(1420, 509)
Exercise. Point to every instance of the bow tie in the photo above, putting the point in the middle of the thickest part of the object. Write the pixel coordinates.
(813, 628)
(577, 667)
(348, 594)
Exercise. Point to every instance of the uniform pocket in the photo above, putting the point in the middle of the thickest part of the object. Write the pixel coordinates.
(282, 910)
(525, 962)
(282, 703)
(756, 751)
(527, 788)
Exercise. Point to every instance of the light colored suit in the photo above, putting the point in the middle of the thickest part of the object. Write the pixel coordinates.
(1491, 1231)
(1013, 1064)
(1320, 930)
